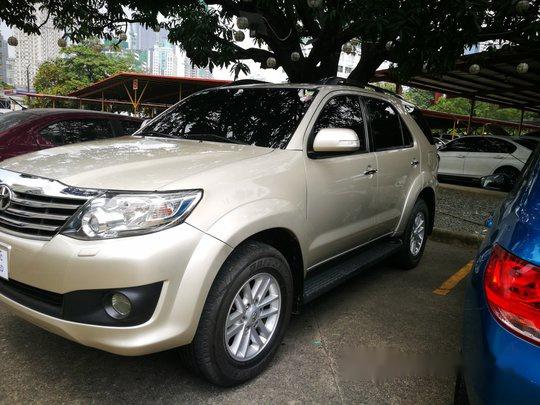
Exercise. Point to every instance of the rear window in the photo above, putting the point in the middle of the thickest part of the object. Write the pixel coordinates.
(11, 119)
(385, 125)
(74, 131)
(421, 121)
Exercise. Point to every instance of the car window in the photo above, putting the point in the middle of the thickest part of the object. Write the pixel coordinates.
(500, 146)
(129, 126)
(264, 117)
(342, 112)
(11, 119)
(463, 145)
(421, 121)
(528, 143)
(80, 130)
(385, 125)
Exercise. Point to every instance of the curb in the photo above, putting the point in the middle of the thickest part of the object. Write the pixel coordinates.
(456, 238)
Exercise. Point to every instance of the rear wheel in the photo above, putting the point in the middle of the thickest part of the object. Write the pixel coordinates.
(244, 318)
(415, 237)
(511, 172)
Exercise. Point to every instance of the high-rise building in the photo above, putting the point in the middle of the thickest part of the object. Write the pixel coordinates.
(33, 50)
(144, 39)
(3, 59)
(163, 59)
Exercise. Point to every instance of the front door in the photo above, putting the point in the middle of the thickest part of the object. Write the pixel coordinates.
(341, 189)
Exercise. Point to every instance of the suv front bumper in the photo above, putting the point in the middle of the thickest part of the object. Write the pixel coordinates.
(180, 262)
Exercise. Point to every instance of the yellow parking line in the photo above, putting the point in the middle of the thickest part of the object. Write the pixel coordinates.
(454, 279)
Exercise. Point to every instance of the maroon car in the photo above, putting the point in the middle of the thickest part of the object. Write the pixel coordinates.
(31, 130)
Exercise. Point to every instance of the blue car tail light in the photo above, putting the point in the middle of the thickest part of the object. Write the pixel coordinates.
(512, 287)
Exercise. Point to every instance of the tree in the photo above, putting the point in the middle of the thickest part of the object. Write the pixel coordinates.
(304, 37)
(77, 67)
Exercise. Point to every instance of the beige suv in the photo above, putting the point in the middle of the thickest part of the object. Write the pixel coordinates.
(215, 221)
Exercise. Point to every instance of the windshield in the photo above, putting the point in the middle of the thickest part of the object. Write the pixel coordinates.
(264, 117)
(11, 119)
(528, 143)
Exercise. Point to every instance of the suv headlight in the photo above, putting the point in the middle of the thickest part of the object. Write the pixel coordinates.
(116, 214)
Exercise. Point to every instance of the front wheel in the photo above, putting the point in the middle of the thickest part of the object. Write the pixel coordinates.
(245, 316)
(415, 237)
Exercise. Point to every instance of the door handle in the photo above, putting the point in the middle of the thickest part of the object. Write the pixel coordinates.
(415, 162)
(499, 157)
(370, 172)
(461, 156)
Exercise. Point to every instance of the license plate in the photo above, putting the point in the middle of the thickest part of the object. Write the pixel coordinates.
(4, 261)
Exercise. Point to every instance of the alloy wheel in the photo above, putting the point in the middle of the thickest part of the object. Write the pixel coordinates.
(253, 317)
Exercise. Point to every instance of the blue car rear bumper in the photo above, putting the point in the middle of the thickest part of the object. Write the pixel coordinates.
(499, 367)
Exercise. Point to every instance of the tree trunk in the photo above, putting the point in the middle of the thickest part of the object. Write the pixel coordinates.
(370, 60)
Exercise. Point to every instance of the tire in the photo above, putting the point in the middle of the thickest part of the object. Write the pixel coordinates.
(512, 173)
(408, 258)
(221, 360)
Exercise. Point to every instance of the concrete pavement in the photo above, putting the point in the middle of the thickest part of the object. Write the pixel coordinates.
(383, 309)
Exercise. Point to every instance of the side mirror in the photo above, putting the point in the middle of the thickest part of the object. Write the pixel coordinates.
(336, 140)
(499, 182)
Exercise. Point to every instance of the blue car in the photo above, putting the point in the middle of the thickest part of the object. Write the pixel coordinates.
(501, 330)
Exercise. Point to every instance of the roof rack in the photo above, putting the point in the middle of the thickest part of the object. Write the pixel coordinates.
(243, 82)
(346, 82)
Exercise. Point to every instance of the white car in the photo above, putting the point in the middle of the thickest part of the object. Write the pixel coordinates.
(473, 157)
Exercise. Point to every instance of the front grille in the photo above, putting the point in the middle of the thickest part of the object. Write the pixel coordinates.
(37, 216)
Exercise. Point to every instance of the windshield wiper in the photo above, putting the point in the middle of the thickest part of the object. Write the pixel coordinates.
(157, 134)
(215, 137)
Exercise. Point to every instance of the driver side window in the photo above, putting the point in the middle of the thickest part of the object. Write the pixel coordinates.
(342, 112)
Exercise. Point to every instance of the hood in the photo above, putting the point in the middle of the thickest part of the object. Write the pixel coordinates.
(130, 163)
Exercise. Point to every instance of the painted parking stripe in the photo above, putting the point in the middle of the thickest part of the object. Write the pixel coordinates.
(454, 279)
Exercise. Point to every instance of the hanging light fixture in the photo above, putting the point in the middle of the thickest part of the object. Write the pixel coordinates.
(239, 36)
(425, 68)
(242, 23)
(271, 62)
(122, 36)
(62, 43)
(474, 69)
(522, 68)
(295, 56)
(389, 45)
(97, 47)
(13, 41)
(347, 47)
(523, 6)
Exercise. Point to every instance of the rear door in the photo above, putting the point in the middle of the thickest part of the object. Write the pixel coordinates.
(398, 158)
(486, 155)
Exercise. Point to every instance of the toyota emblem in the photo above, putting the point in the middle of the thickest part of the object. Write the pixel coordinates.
(5, 197)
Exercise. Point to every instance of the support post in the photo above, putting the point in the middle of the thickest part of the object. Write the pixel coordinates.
(521, 122)
(471, 114)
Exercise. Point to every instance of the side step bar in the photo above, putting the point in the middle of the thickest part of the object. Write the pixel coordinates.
(331, 274)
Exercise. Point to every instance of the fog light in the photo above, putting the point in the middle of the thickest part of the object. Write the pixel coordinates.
(120, 306)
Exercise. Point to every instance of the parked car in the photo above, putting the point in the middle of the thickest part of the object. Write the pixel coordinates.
(473, 157)
(440, 142)
(216, 220)
(501, 329)
(530, 143)
(35, 129)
